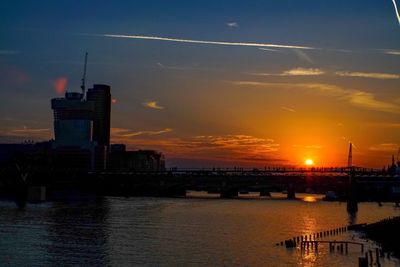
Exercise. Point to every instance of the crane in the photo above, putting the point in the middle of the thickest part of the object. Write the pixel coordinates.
(84, 77)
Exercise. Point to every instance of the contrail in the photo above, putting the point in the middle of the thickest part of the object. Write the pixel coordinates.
(397, 12)
(203, 41)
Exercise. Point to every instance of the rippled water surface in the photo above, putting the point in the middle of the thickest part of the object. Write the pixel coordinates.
(177, 232)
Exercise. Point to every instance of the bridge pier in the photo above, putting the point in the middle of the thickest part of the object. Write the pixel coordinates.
(291, 193)
(265, 193)
(352, 202)
(229, 193)
(173, 191)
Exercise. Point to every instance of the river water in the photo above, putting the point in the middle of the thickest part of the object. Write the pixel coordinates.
(179, 232)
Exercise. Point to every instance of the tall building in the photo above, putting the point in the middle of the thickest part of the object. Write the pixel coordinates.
(100, 96)
(72, 121)
(82, 128)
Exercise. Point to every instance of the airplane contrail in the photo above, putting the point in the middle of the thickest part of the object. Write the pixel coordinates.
(168, 39)
(396, 10)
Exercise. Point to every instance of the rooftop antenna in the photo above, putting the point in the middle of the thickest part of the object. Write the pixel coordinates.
(84, 77)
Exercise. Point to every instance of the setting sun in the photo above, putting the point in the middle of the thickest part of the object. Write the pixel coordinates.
(309, 162)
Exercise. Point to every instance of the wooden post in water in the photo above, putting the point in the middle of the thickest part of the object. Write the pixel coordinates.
(377, 256)
(362, 262)
(371, 259)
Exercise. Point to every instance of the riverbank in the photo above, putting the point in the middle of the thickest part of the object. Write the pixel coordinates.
(386, 233)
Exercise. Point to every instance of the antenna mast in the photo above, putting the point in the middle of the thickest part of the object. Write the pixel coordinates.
(84, 77)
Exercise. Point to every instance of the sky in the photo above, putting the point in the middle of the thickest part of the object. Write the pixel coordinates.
(213, 83)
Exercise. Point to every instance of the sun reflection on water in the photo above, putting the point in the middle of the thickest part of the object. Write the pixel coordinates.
(310, 199)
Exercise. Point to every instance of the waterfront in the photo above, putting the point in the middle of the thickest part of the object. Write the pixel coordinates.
(177, 232)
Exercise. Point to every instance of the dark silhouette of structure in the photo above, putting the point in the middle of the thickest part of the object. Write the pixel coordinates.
(352, 201)
(100, 96)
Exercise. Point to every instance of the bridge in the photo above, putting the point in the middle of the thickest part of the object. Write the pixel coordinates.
(228, 182)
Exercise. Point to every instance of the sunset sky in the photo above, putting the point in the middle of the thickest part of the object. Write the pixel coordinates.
(213, 83)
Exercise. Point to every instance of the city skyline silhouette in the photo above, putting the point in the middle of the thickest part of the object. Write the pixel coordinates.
(214, 84)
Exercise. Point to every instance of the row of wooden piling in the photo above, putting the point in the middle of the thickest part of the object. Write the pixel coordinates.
(290, 243)
(369, 258)
(340, 246)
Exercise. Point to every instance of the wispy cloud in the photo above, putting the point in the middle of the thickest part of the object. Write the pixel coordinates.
(268, 49)
(192, 67)
(232, 24)
(385, 147)
(288, 109)
(152, 104)
(192, 41)
(303, 56)
(373, 75)
(26, 133)
(391, 52)
(230, 147)
(27, 130)
(303, 72)
(383, 124)
(396, 11)
(118, 133)
(355, 97)
(159, 64)
(308, 146)
(8, 52)
(295, 72)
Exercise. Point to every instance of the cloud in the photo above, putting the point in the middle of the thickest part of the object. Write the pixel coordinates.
(118, 133)
(355, 97)
(191, 41)
(268, 49)
(384, 124)
(168, 67)
(373, 75)
(288, 109)
(303, 72)
(308, 146)
(391, 52)
(27, 130)
(239, 142)
(385, 147)
(152, 104)
(232, 24)
(303, 56)
(295, 72)
(230, 147)
(60, 84)
(8, 52)
(26, 133)
(396, 11)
